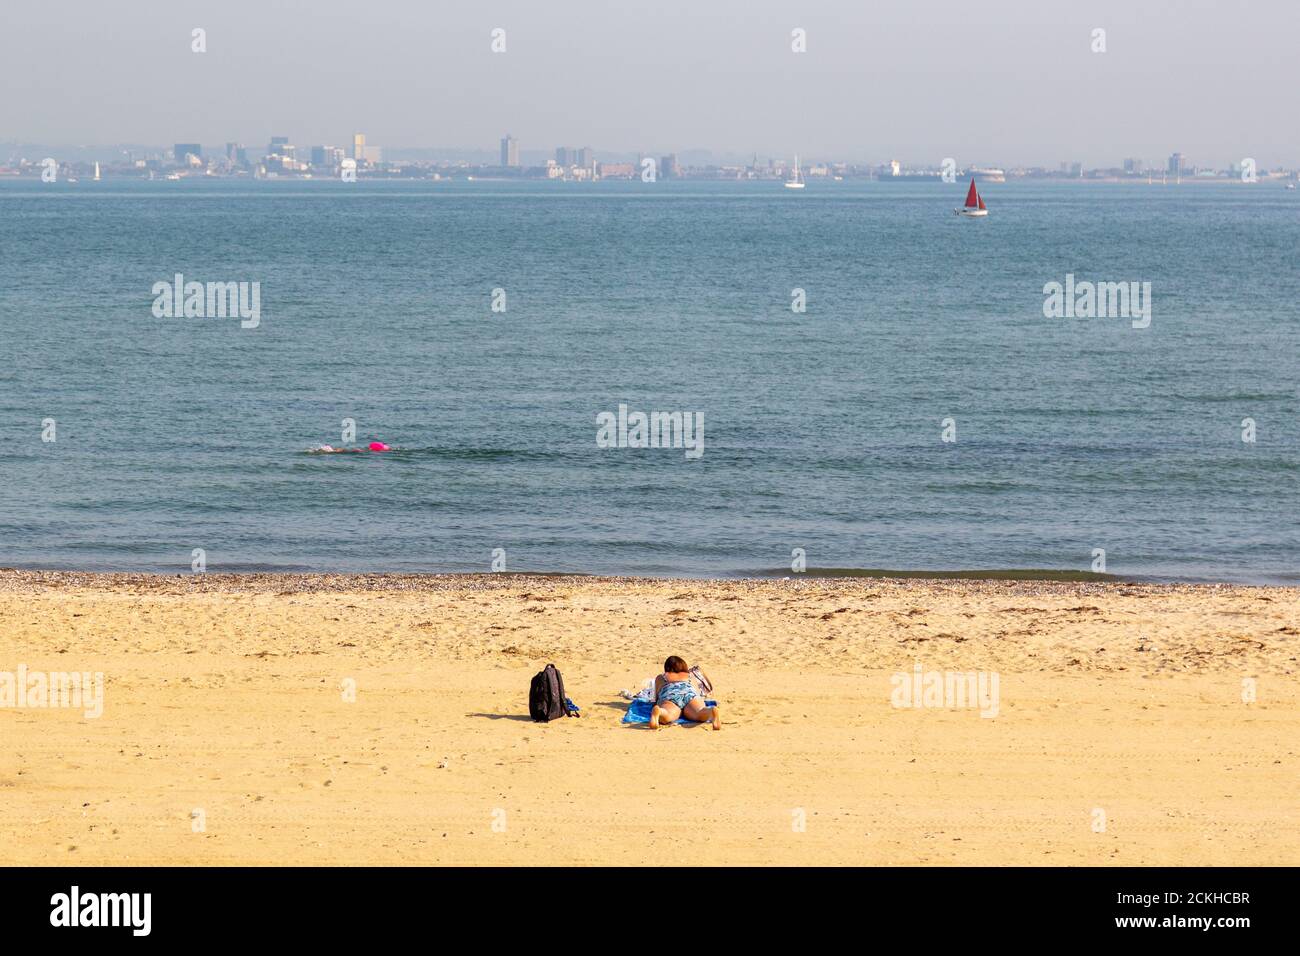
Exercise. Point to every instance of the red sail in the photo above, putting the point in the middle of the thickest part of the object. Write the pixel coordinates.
(972, 197)
(982, 206)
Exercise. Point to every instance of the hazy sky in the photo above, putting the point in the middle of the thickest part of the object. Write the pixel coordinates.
(994, 81)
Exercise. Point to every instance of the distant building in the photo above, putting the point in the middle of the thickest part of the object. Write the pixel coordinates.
(1133, 166)
(668, 167)
(509, 151)
(280, 146)
(616, 170)
(895, 167)
(567, 156)
(182, 150)
(326, 157)
(359, 147)
(1176, 164)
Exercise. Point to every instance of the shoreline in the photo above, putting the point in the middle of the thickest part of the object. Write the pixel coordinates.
(15, 577)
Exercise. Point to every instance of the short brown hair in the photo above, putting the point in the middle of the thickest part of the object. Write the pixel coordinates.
(675, 665)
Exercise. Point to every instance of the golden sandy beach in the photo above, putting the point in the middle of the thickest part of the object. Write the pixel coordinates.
(1122, 735)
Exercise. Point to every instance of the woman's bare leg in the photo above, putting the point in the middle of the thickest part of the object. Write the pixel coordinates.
(695, 710)
(664, 713)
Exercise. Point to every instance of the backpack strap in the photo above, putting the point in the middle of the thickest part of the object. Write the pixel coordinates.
(559, 680)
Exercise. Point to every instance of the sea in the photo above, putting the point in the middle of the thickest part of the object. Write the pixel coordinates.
(876, 378)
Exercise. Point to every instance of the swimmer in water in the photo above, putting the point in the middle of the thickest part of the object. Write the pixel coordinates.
(331, 450)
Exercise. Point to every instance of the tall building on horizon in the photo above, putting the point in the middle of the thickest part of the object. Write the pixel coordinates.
(359, 146)
(280, 146)
(181, 150)
(509, 151)
(566, 156)
(326, 157)
(1175, 165)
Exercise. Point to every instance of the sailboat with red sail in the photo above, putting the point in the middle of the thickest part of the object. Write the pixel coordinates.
(974, 203)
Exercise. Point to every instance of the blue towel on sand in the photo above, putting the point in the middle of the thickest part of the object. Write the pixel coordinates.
(638, 712)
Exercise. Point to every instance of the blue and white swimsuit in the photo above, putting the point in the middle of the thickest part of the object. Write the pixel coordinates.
(679, 692)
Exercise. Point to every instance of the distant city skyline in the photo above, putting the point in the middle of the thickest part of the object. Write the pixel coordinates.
(283, 158)
(283, 155)
(1013, 82)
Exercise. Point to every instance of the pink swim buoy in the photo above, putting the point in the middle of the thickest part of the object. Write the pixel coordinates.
(378, 446)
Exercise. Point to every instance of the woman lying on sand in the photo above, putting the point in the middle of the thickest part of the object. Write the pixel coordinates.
(676, 696)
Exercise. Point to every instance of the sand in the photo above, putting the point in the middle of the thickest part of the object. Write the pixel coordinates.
(1121, 735)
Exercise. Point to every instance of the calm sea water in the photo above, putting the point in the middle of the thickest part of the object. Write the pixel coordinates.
(822, 430)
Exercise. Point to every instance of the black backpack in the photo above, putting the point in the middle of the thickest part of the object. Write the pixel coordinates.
(546, 700)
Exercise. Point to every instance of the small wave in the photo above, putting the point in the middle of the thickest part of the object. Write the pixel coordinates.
(978, 487)
(444, 454)
(1238, 397)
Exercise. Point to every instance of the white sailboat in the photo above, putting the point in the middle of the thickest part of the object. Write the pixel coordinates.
(797, 181)
(974, 203)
